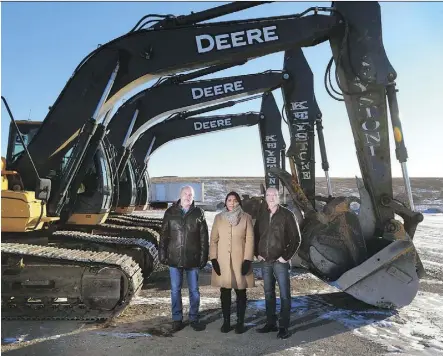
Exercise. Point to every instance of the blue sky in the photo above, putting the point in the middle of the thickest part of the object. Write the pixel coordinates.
(42, 43)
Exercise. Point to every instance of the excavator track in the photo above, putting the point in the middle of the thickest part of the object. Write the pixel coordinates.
(143, 217)
(142, 232)
(138, 218)
(51, 283)
(136, 215)
(142, 251)
(135, 221)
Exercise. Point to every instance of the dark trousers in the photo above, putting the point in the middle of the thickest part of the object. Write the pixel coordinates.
(225, 296)
(272, 272)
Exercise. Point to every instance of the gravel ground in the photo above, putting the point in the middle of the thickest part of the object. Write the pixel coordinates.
(145, 326)
(324, 321)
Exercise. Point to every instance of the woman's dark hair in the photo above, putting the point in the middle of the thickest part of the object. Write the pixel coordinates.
(235, 194)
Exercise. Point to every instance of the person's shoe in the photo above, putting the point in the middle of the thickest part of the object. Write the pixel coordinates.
(177, 325)
(283, 333)
(240, 327)
(197, 326)
(267, 329)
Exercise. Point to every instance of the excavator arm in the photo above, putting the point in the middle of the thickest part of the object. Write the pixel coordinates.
(178, 127)
(367, 81)
(170, 99)
(268, 120)
(302, 112)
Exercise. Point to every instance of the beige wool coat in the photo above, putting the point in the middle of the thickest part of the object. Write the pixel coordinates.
(231, 245)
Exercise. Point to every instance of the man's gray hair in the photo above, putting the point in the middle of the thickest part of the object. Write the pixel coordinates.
(187, 187)
(275, 191)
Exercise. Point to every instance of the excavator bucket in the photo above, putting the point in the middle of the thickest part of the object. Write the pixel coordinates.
(388, 279)
(339, 246)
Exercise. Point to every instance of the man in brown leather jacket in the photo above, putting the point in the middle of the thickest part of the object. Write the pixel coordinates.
(184, 246)
(277, 238)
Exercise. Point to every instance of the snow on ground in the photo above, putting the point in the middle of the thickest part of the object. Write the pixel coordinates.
(415, 330)
(429, 244)
(167, 300)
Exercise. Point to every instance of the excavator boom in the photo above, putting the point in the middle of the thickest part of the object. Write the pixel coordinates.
(140, 56)
(268, 120)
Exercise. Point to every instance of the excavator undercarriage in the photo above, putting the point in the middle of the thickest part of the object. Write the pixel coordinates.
(44, 282)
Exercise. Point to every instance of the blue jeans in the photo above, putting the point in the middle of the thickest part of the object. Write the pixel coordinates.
(176, 292)
(272, 272)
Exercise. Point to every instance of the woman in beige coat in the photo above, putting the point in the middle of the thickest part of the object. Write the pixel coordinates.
(231, 252)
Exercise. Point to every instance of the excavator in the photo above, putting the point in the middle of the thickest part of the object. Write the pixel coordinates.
(102, 283)
(136, 114)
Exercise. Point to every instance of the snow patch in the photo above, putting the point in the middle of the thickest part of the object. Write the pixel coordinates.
(123, 335)
(167, 301)
(13, 340)
(431, 281)
(417, 327)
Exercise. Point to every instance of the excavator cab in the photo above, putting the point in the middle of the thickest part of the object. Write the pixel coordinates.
(28, 130)
(94, 198)
(125, 204)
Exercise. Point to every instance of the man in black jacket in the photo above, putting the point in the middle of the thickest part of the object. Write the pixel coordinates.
(277, 238)
(184, 245)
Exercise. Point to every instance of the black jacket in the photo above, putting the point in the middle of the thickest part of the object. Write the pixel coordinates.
(278, 236)
(184, 238)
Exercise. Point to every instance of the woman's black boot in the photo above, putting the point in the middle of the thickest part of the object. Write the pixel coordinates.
(241, 309)
(225, 296)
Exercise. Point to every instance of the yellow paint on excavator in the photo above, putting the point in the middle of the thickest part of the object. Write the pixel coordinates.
(22, 212)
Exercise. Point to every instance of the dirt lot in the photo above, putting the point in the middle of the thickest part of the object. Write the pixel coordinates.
(324, 321)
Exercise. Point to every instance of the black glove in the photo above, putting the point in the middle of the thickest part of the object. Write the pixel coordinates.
(245, 266)
(202, 265)
(216, 266)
